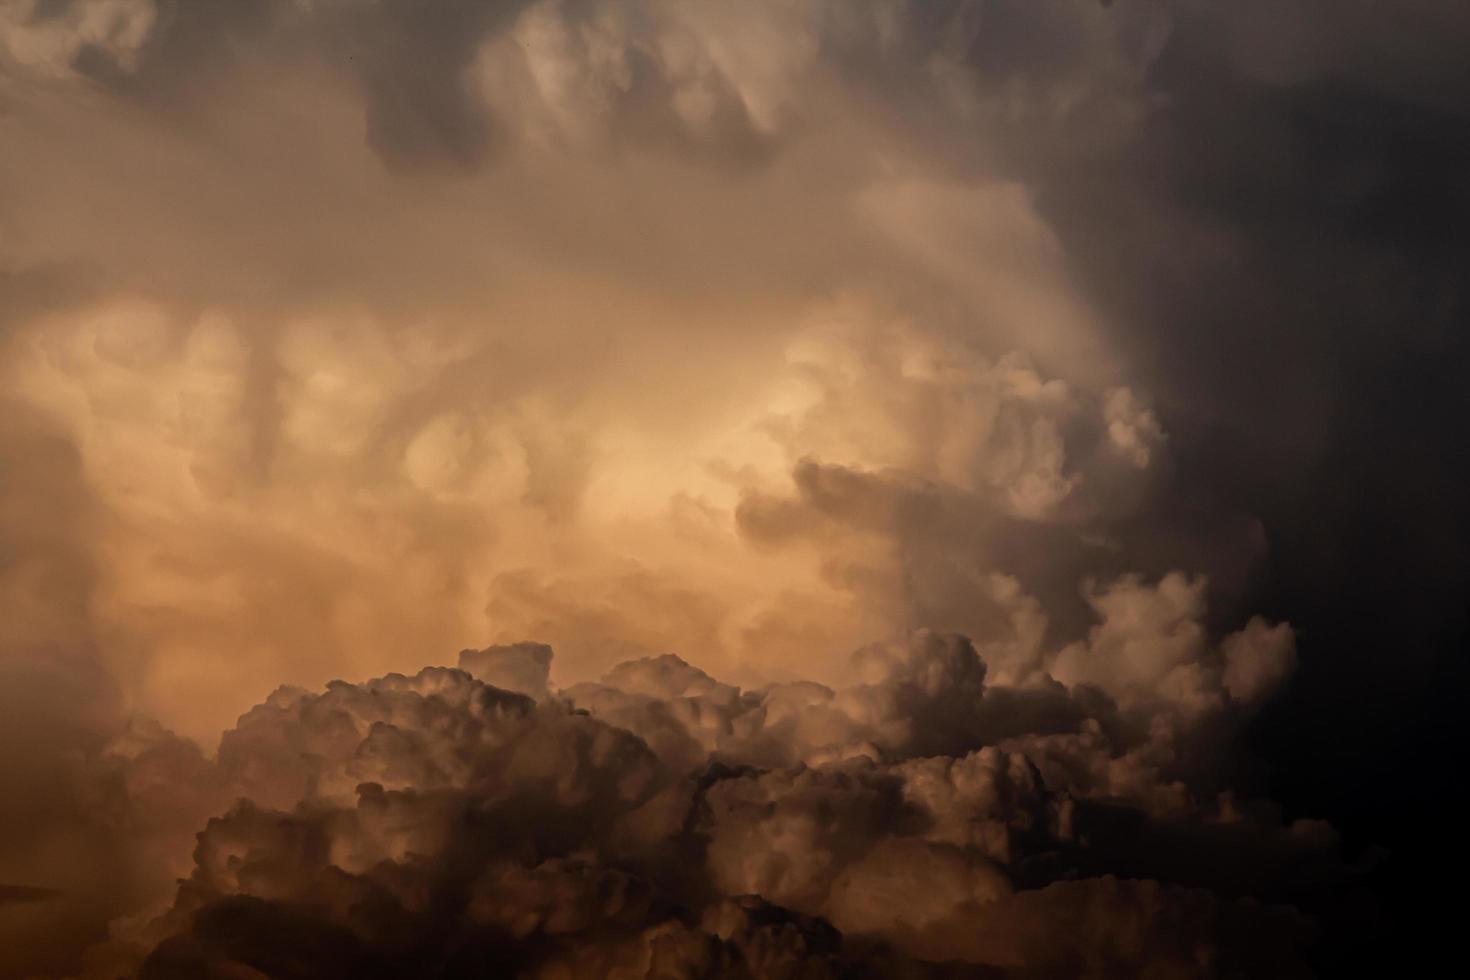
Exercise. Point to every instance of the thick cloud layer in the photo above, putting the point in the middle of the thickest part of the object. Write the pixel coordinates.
(709, 354)
(662, 823)
(1029, 349)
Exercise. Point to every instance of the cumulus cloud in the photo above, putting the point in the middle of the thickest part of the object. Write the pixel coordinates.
(705, 345)
(662, 823)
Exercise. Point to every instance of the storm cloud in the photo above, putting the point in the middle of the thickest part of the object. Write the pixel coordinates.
(660, 822)
(967, 459)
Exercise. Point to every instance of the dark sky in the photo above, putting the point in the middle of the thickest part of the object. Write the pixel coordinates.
(336, 337)
(1313, 368)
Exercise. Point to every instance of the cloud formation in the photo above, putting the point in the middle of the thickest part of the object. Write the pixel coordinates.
(335, 334)
(662, 823)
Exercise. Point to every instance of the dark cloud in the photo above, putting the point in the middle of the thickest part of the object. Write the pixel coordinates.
(413, 59)
(1281, 239)
(435, 824)
(336, 331)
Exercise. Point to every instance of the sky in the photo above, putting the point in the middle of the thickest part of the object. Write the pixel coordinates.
(923, 488)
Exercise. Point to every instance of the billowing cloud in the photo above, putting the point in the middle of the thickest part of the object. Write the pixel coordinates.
(870, 405)
(662, 823)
